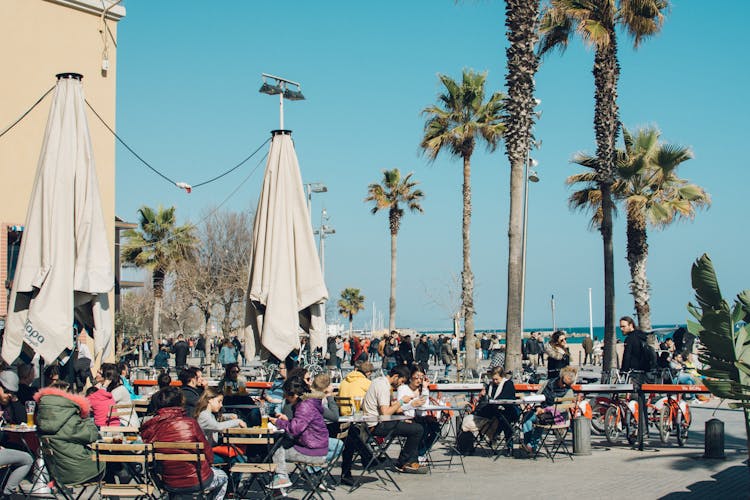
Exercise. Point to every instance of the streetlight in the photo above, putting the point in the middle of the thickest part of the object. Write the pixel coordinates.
(280, 86)
(313, 187)
(323, 232)
(530, 176)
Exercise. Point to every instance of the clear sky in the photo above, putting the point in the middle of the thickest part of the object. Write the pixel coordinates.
(187, 100)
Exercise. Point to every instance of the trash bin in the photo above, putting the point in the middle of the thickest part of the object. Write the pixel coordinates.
(581, 436)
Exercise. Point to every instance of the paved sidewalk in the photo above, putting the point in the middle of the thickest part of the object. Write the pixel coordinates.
(662, 471)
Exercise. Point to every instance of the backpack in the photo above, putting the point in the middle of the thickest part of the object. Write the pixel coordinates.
(648, 360)
(465, 443)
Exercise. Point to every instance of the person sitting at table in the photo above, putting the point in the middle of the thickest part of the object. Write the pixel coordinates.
(193, 385)
(555, 389)
(377, 403)
(417, 388)
(19, 463)
(209, 405)
(297, 373)
(51, 375)
(120, 394)
(11, 409)
(170, 424)
(274, 396)
(233, 386)
(499, 387)
(322, 387)
(26, 389)
(354, 385)
(163, 380)
(124, 369)
(100, 399)
(63, 420)
(307, 428)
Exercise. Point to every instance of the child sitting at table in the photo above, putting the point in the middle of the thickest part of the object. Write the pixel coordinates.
(209, 405)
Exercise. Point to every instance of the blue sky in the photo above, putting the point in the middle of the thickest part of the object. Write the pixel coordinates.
(187, 101)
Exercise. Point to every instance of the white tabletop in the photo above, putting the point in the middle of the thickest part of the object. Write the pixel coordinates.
(372, 420)
(433, 408)
(458, 387)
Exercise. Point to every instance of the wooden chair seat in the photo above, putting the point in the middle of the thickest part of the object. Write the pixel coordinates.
(256, 468)
(126, 490)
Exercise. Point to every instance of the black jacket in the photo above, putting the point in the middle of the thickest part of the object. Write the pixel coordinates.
(407, 356)
(636, 354)
(180, 350)
(191, 395)
(423, 352)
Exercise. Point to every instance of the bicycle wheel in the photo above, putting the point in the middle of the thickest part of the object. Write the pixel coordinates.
(612, 425)
(665, 423)
(597, 417)
(682, 428)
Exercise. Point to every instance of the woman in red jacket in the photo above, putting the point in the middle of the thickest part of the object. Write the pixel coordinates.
(171, 424)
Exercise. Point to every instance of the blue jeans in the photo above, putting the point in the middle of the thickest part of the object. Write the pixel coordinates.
(531, 435)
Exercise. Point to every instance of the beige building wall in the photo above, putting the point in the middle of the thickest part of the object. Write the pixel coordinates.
(38, 39)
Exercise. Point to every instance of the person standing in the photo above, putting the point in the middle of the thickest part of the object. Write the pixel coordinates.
(227, 354)
(422, 356)
(407, 354)
(558, 354)
(588, 349)
(339, 351)
(638, 355)
(447, 355)
(180, 350)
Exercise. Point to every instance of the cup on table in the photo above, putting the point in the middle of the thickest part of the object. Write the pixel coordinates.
(30, 408)
(357, 405)
(263, 416)
(117, 438)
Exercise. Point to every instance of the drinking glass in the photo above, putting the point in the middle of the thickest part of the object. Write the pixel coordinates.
(30, 408)
(357, 405)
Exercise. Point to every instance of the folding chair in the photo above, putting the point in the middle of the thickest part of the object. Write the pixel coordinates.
(128, 455)
(380, 461)
(126, 412)
(556, 432)
(345, 402)
(260, 472)
(313, 475)
(4, 474)
(180, 452)
(66, 491)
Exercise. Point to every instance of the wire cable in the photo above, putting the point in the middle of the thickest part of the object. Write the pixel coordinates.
(7, 129)
(147, 164)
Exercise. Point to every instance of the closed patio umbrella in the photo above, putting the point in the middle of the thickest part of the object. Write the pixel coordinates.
(286, 289)
(64, 265)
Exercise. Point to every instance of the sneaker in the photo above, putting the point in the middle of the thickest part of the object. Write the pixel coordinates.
(412, 468)
(422, 460)
(280, 482)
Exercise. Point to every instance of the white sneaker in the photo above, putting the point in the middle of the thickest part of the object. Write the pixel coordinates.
(422, 460)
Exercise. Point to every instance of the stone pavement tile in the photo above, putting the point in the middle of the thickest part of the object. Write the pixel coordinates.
(617, 472)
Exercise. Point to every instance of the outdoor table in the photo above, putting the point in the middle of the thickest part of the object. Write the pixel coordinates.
(450, 435)
(373, 465)
(26, 437)
(456, 387)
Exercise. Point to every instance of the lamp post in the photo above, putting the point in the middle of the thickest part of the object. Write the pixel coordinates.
(313, 187)
(530, 176)
(323, 231)
(281, 86)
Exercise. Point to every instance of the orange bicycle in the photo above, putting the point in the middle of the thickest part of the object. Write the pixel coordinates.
(674, 417)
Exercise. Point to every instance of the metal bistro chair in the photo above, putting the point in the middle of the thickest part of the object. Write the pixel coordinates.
(125, 412)
(556, 433)
(260, 472)
(180, 452)
(67, 491)
(128, 455)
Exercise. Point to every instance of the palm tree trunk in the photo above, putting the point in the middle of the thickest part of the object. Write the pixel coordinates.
(522, 62)
(606, 123)
(637, 257)
(392, 302)
(158, 284)
(351, 320)
(513, 328)
(467, 277)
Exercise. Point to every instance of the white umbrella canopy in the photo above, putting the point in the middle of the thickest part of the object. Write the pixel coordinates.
(64, 265)
(286, 288)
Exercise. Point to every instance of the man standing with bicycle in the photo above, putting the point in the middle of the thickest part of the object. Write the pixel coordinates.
(638, 355)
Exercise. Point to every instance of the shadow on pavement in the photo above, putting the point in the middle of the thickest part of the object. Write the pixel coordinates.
(733, 482)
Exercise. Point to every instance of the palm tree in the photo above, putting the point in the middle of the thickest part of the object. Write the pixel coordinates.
(158, 245)
(392, 192)
(647, 182)
(460, 119)
(595, 21)
(350, 303)
(520, 19)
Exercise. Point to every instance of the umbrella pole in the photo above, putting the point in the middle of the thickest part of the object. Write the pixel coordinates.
(41, 372)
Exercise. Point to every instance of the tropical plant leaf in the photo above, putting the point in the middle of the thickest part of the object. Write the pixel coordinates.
(705, 284)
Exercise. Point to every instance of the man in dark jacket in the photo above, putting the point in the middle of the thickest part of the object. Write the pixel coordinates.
(192, 388)
(638, 355)
(180, 350)
(588, 349)
(407, 354)
(423, 353)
